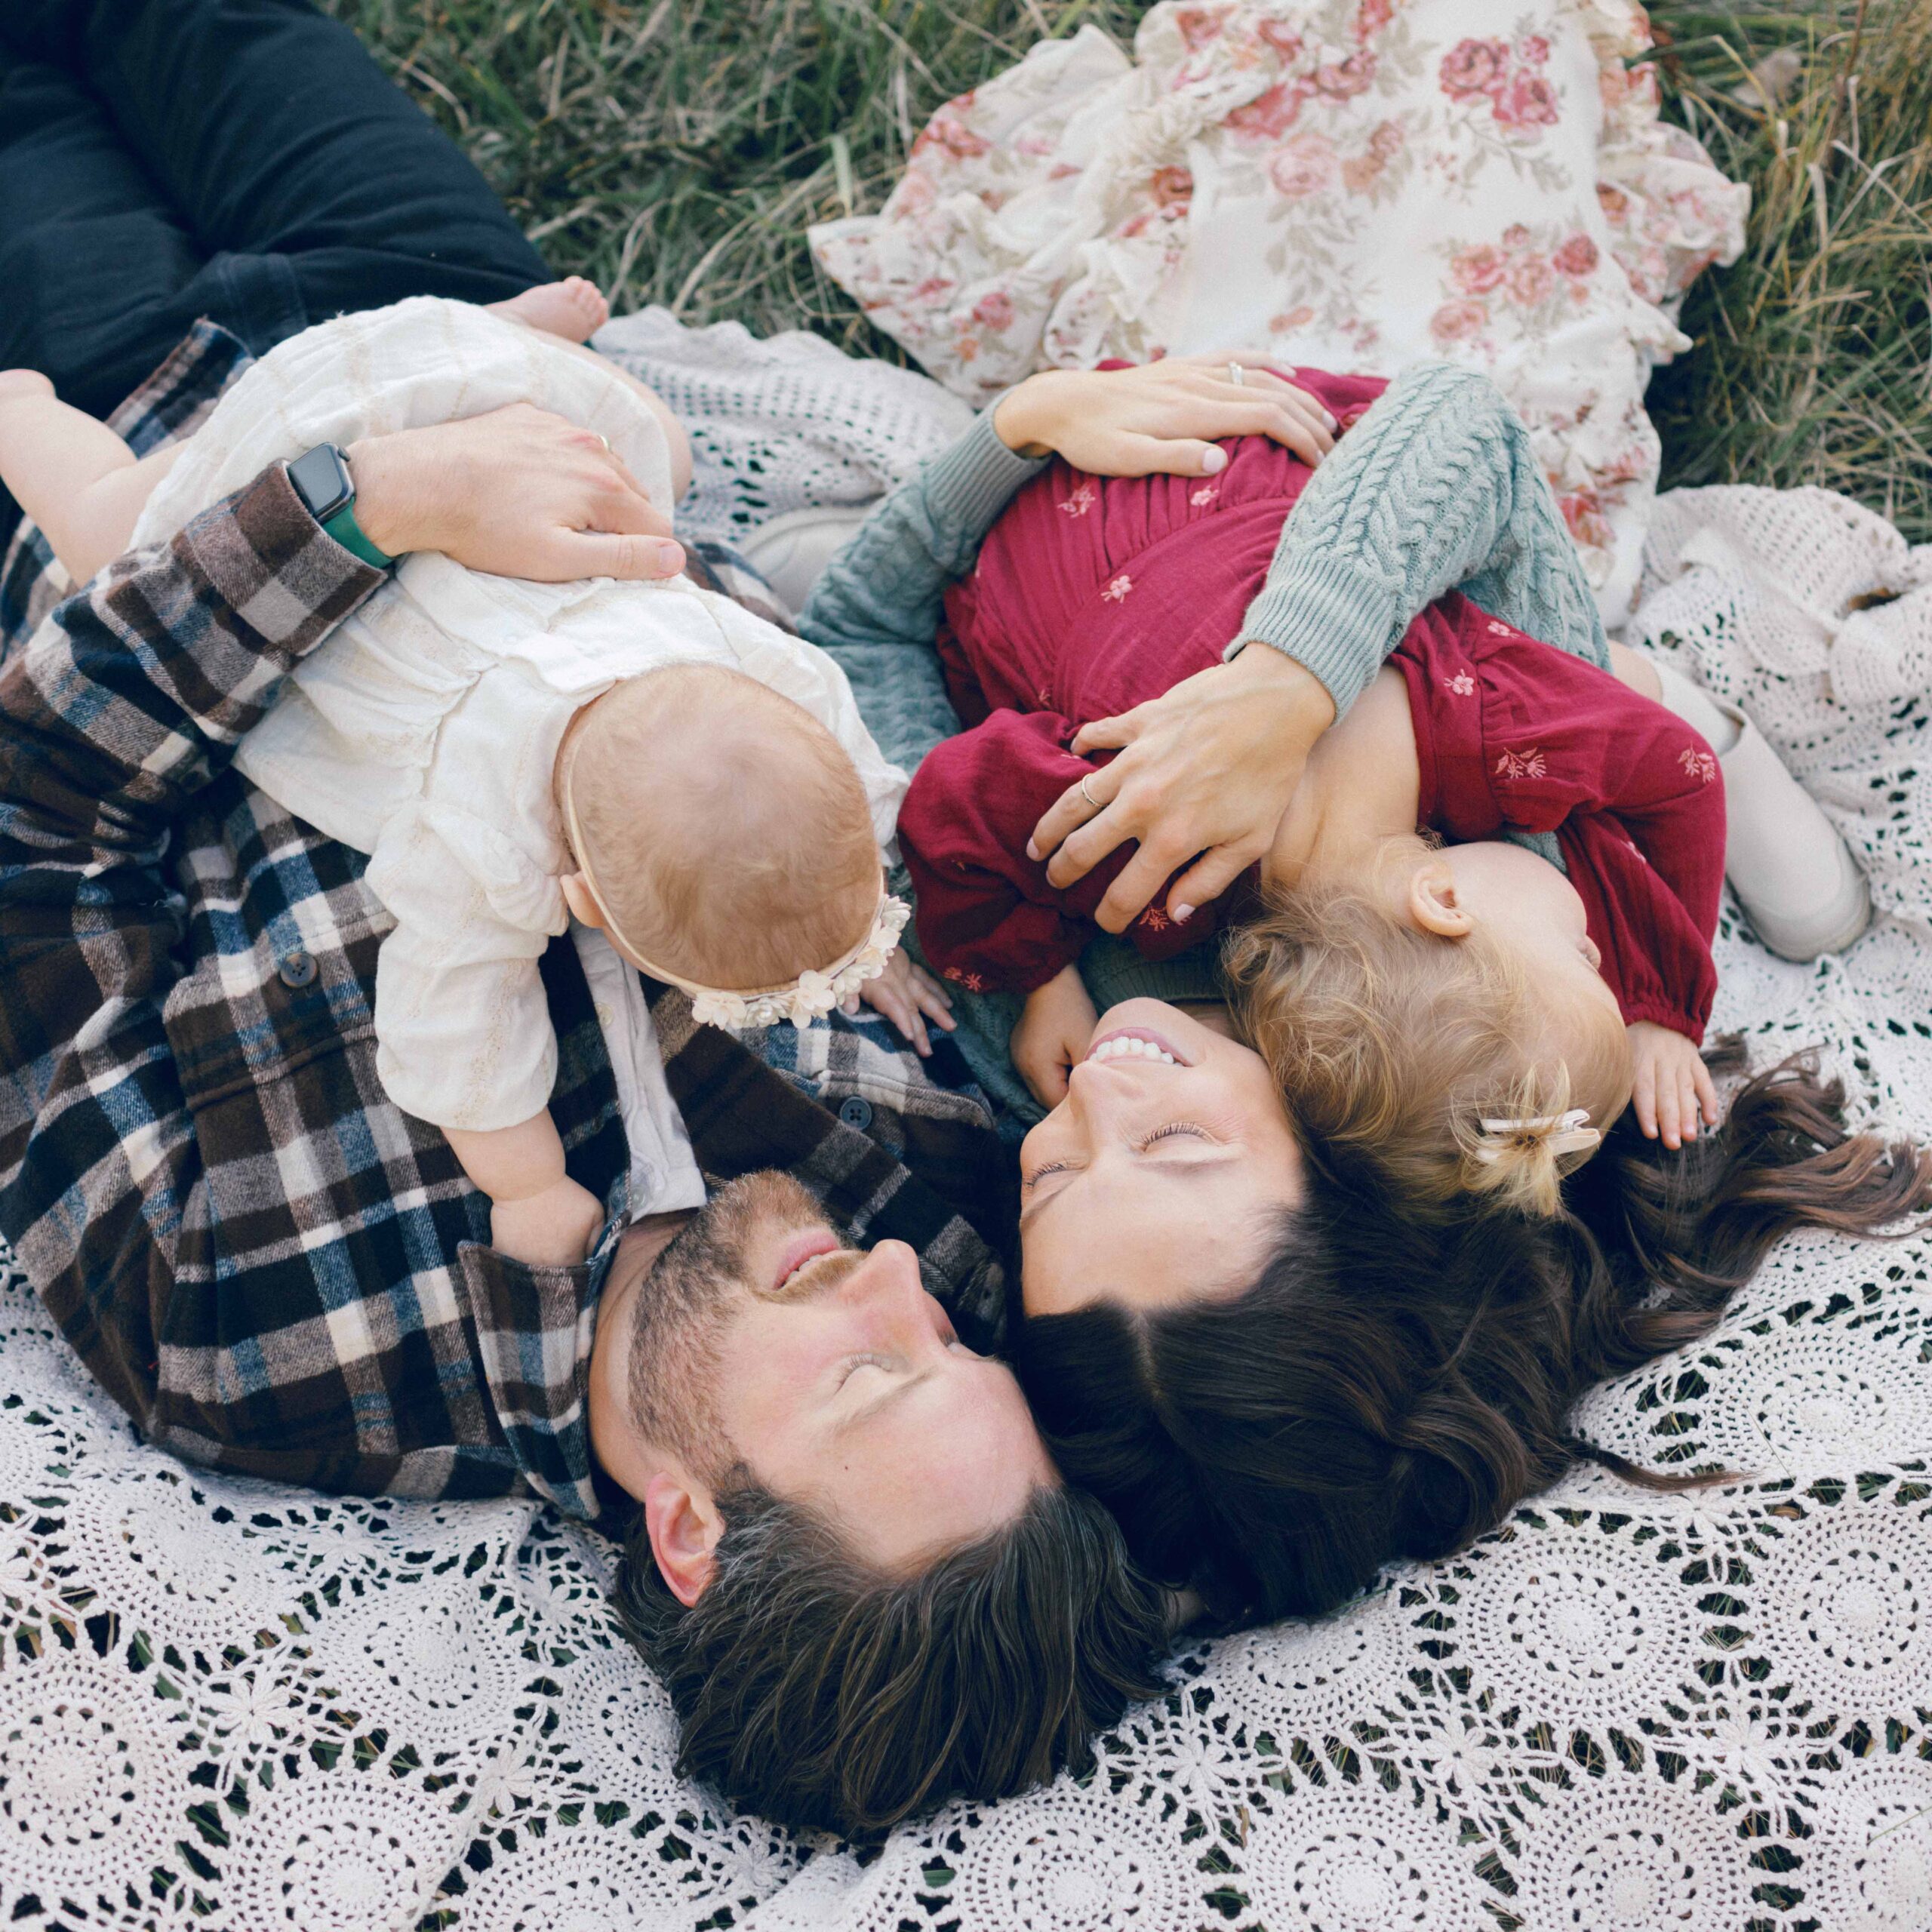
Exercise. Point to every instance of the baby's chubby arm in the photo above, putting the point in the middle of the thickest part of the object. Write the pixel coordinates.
(538, 1214)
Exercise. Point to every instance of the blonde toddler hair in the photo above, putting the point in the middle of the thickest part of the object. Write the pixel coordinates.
(1396, 1044)
(725, 828)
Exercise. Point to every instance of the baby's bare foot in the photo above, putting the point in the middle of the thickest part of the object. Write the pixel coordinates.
(573, 308)
(24, 382)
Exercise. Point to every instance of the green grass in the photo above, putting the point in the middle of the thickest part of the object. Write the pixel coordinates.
(675, 150)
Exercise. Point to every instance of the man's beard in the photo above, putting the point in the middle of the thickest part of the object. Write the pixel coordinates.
(685, 1305)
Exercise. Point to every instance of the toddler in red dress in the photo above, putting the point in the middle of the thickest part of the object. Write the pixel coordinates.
(1461, 1012)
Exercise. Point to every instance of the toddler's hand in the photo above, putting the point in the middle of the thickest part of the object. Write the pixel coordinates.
(908, 996)
(553, 1227)
(1670, 1086)
(1052, 1035)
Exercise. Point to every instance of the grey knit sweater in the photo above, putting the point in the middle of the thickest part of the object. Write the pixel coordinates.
(1436, 488)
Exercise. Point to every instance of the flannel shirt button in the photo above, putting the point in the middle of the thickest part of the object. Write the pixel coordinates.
(297, 969)
(856, 1112)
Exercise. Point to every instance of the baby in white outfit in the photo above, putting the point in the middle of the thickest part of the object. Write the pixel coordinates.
(692, 785)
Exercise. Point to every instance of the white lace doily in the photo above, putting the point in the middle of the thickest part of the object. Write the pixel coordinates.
(225, 1705)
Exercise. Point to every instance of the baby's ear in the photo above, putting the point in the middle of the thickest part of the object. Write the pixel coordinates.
(1432, 903)
(582, 901)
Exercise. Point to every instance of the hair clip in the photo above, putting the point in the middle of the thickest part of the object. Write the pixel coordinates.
(1561, 1133)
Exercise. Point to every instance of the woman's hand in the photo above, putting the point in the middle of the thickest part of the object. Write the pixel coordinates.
(1162, 418)
(1205, 772)
(518, 492)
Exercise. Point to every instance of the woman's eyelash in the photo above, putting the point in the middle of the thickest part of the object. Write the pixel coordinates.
(1168, 1132)
(1040, 1173)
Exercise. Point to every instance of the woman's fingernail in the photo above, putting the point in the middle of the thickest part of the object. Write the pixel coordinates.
(1182, 913)
(1334, 428)
(1033, 851)
(1214, 460)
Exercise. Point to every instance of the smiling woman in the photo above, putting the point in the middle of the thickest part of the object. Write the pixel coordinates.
(1164, 1174)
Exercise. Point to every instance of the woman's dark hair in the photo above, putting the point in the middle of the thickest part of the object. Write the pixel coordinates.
(819, 1694)
(1392, 1386)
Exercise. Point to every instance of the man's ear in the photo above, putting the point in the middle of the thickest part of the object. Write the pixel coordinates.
(582, 901)
(1432, 903)
(685, 1525)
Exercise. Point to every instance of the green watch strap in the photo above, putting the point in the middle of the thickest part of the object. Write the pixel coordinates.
(347, 531)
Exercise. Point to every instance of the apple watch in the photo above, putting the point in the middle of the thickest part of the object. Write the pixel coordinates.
(322, 481)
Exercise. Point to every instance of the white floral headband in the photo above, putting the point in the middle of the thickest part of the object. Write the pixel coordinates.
(1561, 1133)
(810, 997)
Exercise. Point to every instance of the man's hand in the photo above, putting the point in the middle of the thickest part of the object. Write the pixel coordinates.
(1206, 772)
(518, 492)
(908, 997)
(1055, 1030)
(551, 1228)
(1670, 1085)
(1163, 418)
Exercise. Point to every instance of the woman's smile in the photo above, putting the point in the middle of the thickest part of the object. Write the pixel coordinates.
(1136, 1043)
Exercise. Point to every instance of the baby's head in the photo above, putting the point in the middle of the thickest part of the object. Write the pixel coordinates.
(722, 833)
(1452, 988)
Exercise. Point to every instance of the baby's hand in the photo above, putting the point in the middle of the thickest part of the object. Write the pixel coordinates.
(553, 1227)
(908, 996)
(1052, 1035)
(1670, 1086)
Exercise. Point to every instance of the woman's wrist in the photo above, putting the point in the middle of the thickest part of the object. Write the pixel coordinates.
(1308, 706)
(1023, 419)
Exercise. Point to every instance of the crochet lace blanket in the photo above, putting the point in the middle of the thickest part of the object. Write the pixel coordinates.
(223, 1704)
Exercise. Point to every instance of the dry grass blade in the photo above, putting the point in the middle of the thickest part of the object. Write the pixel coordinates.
(675, 150)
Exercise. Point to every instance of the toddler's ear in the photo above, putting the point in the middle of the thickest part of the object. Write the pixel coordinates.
(582, 901)
(1432, 903)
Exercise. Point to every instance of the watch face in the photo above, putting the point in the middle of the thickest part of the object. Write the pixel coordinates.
(322, 481)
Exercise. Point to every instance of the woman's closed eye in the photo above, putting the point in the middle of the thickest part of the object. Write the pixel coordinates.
(1027, 1181)
(1185, 1127)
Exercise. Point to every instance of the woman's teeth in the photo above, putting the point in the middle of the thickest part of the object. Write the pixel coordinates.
(1121, 1047)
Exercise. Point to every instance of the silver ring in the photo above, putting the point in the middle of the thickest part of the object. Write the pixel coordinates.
(1237, 375)
(606, 441)
(1089, 797)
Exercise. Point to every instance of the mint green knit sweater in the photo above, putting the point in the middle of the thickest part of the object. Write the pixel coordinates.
(1436, 488)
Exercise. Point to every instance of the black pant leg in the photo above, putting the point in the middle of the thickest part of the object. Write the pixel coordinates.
(92, 258)
(272, 133)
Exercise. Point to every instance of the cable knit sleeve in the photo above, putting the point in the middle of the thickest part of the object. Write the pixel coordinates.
(1436, 488)
(883, 591)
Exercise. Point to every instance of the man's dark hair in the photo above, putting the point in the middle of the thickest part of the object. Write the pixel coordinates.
(818, 1692)
(1393, 1385)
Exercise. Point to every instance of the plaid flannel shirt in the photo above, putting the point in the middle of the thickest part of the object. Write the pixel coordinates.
(272, 1268)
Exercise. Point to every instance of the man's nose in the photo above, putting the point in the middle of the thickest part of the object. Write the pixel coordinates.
(887, 1287)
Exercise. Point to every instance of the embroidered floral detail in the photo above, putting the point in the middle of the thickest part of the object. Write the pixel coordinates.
(1497, 629)
(1043, 698)
(1081, 501)
(1155, 920)
(1530, 764)
(1203, 497)
(1116, 591)
(970, 981)
(1699, 765)
(1462, 684)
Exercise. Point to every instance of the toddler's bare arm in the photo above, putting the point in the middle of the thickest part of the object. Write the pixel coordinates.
(538, 1214)
(73, 475)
